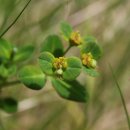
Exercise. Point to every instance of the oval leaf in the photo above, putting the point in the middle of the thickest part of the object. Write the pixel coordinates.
(73, 69)
(8, 105)
(32, 77)
(70, 90)
(3, 71)
(66, 29)
(90, 39)
(24, 53)
(12, 70)
(45, 61)
(53, 44)
(5, 49)
(6, 72)
(91, 72)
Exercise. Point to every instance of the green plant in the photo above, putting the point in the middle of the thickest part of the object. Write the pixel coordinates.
(62, 71)
(10, 59)
(52, 64)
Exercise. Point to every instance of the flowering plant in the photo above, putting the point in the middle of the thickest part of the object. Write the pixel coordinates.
(53, 65)
(61, 70)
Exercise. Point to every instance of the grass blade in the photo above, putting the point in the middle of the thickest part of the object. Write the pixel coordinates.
(15, 20)
(121, 95)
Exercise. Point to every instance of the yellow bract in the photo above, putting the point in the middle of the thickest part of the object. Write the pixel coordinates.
(75, 38)
(60, 63)
(87, 60)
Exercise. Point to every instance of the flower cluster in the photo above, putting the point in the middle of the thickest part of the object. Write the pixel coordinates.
(87, 45)
(75, 38)
(88, 60)
(61, 70)
(60, 64)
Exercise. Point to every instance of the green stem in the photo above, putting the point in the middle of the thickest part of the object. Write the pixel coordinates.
(121, 95)
(67, 49)
(15, 20)
(7, 84)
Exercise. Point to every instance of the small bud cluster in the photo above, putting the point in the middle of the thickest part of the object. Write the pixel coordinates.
(88, 60)
(60, 64)
(75, 38)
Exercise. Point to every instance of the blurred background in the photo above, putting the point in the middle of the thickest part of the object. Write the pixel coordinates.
(108, 21)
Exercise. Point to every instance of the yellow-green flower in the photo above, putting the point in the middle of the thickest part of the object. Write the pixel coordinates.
(60, 63)
(88, 60)
(75, 38)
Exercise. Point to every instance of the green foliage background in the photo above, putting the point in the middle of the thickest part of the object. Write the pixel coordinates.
(108, 21)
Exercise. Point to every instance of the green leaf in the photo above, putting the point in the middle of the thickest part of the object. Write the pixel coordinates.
(5, 50)
(3, 71)
(90, 39)
(23, 53)
(32, 77)
(9, 105)
(53, 44)
(6, 72)
(73, 69)
(91, 72)
(66, 29)
(70, 90)
(93, 47)
(45, 61)
(12, 70)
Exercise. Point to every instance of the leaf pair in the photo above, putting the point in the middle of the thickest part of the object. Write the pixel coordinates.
(9, 52)
(10, 55)
(91, 46)
(33, 78)
(51, 51)
(73, 69)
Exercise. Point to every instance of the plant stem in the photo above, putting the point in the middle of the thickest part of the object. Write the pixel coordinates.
(7, 84)
(15, 20)
(121, 95)
(67, 49)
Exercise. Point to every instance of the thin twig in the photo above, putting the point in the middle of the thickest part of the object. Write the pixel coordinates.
(67, 49)
(121, 95)
(15, 20)
(7, 84)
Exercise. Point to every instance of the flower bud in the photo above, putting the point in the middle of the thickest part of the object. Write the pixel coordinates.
(93, 63)
(59, 71)
(75, 38)
(87, 60)
(60, 63)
